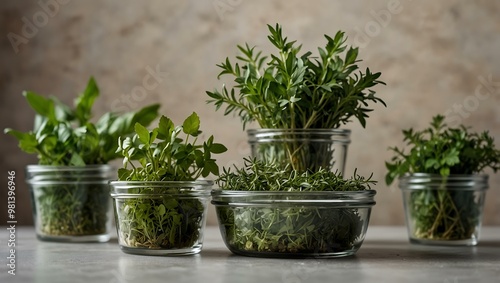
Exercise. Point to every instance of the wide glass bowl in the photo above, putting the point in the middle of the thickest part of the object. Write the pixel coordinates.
(293, 224)
(160, 218)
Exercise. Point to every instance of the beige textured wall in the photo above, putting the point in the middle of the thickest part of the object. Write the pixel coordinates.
(435, 56)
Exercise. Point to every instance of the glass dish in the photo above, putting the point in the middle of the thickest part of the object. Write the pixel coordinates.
(293, 224)
(160, 218)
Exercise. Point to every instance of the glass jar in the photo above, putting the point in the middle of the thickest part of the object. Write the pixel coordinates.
(160, 218)
(293, 224)
(71, 203)
(303, 149)
(443, 210)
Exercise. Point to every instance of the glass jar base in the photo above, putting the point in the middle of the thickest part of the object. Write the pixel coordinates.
(466, 242)
(162, 252)
(101, 238)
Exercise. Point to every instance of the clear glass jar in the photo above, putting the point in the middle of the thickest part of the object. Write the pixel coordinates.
(160, 218)
(71, 203)
(443, 211)
(303, 149)
(293, 224)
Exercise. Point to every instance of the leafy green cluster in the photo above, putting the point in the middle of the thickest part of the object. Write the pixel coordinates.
(444, 214)
(168, 220)
(442, 150)
(65, 136)
(297, 230)
(160, 223)
(171, 158)
(257, 175)
(292, 91)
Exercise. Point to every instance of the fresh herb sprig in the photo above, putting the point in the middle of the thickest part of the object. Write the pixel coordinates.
(64, 136)
(165, 156)
(292, 91)
(173, 219)
(442, 150)
(293, 229)
(257, 175)
(443, 214)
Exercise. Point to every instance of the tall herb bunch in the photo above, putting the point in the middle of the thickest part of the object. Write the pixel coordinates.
(64, 135)
(443, 214)
(291, 91)
(172, 219)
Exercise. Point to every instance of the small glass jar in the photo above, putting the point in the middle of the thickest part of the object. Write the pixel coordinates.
(71, 203)
(303, 149)
(443, 211)
(160, 218)
(293, 224)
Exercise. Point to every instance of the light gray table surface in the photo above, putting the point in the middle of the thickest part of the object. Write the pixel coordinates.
(385, 256)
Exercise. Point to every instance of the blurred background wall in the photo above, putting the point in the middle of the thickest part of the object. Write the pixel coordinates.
(435, 56)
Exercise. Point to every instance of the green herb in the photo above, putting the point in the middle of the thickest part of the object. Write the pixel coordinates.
(292, 92)
(72, 210)
(294, 229)
(444, 214)
(65, 136)
(167, 220)
(257, 175)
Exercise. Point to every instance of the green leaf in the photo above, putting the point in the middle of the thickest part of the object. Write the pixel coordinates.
(85, 101)
(191, 125)
(76, 160)
(217, 148)
(165, 128)
(41, 105)
(143, 133)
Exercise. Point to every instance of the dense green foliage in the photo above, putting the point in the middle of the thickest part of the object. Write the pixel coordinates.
(172, 219)
(444, 214)
(65, 136)
(293, 91)
(442, 150)
(257, 175)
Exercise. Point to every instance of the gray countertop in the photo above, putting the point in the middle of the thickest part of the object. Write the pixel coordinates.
(386, 256)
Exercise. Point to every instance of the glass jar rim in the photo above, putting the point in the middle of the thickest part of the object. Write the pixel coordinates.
(128, 189)
(275, 198)
(321, 131)
(419, 181)
(35, 168)
(289, 135)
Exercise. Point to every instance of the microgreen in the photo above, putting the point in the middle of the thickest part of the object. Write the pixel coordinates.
(291, 91)
(65, 136)
(444, 214)
(173, 218)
